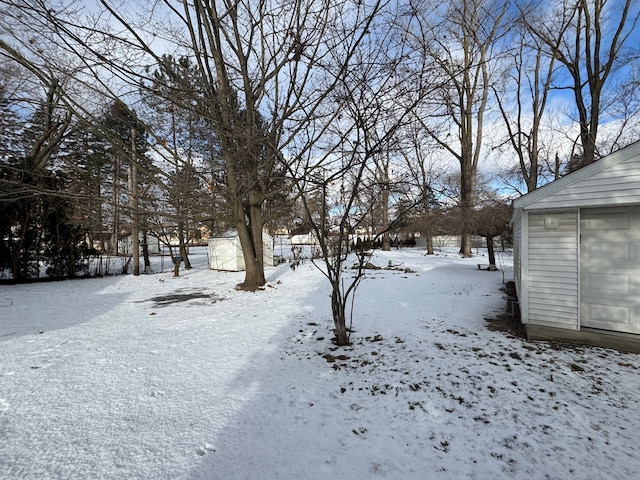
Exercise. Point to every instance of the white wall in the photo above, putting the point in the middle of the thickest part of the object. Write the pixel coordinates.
(225, 254)
(550, 270)
(125, 245)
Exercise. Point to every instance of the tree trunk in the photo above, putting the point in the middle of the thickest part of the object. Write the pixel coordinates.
(490, 251)
(429, 244)
(133, 203)
(467, 195)
(254, 272)
(250, 234)
(145, 252)
(339, 315)
(465, 247)
(183, 252)
(386, 240)
(113, 247)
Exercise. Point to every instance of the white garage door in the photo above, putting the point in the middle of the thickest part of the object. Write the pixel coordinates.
(610, 269)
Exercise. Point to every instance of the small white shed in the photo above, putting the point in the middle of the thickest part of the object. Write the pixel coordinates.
(225, 252)
(577, 254)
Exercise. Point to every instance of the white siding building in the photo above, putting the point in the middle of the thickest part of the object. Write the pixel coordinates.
(577, 254)
(125, 247)
(225, 252)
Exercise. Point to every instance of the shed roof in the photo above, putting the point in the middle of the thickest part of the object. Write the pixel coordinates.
(612, 180)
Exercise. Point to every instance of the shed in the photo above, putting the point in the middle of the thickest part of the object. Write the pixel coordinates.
(225, 252)
(577, 254)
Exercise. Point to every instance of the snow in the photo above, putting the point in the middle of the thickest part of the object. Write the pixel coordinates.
(155, 377)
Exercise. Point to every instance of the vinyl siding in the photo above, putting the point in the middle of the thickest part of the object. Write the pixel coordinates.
(548, 267)
(552, 271)
(619, 184)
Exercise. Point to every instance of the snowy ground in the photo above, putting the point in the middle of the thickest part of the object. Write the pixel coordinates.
(155, 377)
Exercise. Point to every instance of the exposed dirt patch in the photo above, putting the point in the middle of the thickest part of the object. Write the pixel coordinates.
(504, 323)
(165, 300)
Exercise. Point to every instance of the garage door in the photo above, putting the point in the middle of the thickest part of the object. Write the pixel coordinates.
(610, 269)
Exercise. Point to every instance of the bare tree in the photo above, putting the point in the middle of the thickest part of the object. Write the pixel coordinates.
(33, 43)
(257, 62)
(29, 186)
(465, 45)
(373, 103)
(423, 175)
(384, 184)
(590, 39)
(265, 69)
(522, 101)
(491, 219)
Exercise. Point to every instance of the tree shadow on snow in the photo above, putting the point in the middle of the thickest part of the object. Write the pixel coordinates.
(37, 308)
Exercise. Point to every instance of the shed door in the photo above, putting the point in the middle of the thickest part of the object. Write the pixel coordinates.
(610, 269)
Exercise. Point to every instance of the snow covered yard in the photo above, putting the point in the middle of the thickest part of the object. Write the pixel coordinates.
(157, 377)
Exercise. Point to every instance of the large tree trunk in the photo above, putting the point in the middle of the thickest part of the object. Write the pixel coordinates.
(467, 194)
(250, 233)
(429, 244)
(254, 272)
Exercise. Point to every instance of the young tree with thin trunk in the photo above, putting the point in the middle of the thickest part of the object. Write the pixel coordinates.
(491, 220)
(373, 103)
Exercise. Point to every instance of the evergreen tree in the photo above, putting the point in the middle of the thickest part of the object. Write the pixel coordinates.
(121, 128)
(84, 161)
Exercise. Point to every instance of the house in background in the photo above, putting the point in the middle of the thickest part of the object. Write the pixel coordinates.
(577, 254)
(125, 246)
(451, 241)
(225, 252)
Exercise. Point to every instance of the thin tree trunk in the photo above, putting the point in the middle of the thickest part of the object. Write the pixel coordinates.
(386, 239)
(183, 253)
(145, 252)
(133, 201)
(116, 213)
(490, 250)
